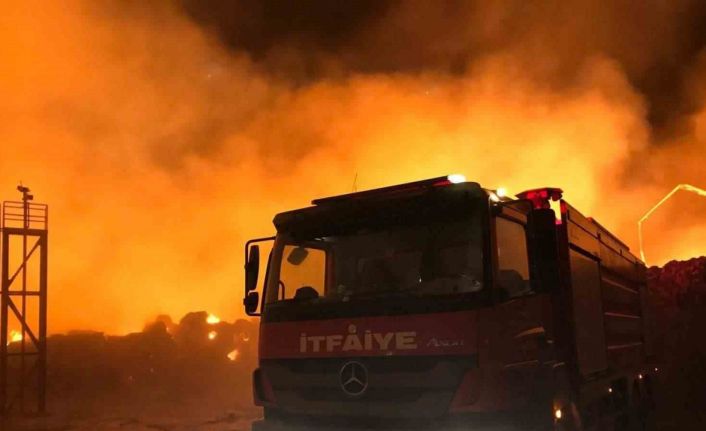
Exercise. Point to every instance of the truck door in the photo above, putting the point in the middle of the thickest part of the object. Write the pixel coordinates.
(517, 334)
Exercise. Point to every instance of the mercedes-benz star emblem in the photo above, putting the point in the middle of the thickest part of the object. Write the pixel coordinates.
(354, 378)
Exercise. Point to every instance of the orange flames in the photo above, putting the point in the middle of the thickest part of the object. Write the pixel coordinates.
(15, 337)
(233, 355)
(160, 153)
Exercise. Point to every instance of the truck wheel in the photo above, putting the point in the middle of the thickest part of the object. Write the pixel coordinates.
(648, 393)
(646, 404)
(634, 414)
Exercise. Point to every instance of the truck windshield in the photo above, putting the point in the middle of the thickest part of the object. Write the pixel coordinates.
(443, 258)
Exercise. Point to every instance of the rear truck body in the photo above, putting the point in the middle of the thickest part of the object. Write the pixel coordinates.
(440, 303)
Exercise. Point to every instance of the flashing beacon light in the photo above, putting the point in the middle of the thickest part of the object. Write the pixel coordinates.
(501, 192)
(456, 178)
(541, 198)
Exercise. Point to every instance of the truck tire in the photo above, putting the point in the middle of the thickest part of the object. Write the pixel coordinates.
(646, 404)
(634, 417)
(535, 420)
(648, 393)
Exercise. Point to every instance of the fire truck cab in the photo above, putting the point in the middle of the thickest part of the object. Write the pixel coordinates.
(440, 303)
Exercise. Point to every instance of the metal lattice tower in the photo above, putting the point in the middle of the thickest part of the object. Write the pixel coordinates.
(23, 305)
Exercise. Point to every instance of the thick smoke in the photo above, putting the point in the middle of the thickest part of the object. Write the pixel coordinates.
(653, 41)
(164, 135)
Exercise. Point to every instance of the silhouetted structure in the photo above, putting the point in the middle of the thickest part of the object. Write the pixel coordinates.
(23, 351)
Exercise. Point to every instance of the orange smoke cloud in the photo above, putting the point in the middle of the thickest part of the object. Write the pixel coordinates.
(159, 152)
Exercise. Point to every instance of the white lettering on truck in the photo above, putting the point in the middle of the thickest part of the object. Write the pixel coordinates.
(404, 340)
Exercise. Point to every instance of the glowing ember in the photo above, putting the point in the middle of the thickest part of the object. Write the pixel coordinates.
(212, 335)
(233, 355)
(15, 337)
(212, 319)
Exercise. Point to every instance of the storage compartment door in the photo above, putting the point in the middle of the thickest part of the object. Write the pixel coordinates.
(588, 314)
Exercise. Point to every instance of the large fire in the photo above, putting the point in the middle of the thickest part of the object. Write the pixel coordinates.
(233, 355)
(15, 337)
(160, 151)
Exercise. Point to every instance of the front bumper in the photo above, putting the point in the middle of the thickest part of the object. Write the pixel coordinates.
(477, 423)
(271, 425)
(415, 389)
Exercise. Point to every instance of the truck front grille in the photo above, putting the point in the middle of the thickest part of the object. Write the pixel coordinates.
(397, 386)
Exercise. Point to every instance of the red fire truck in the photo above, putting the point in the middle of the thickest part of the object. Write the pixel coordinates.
(438, 303)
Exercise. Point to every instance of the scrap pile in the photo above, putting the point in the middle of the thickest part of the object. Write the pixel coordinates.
(678, 292)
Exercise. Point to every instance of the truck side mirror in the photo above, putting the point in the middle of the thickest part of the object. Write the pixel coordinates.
(252, 269)
(251, 301)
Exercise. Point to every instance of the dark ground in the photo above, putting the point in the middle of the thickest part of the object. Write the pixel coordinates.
(172, 377)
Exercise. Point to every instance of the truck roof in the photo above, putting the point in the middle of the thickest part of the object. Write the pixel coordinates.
(419, 197)
(398, 189)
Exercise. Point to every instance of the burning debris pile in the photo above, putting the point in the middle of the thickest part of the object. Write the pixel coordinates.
(195, 370)
(198, 353)
(680, 284)
(679, 296)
